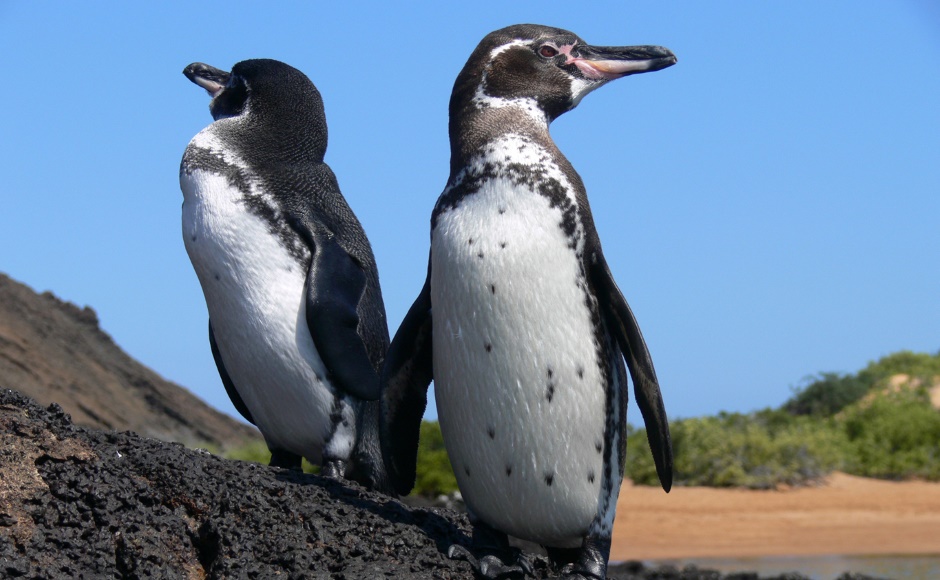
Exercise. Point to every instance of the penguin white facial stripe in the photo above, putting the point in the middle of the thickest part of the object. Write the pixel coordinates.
(483, 100)
(504, 47)
(581, 87)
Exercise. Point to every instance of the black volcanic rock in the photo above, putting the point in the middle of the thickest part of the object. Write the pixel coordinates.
(77, 502)
(55, 352)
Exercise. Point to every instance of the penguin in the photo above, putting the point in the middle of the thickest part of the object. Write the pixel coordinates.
(520, 323)
(297, 324)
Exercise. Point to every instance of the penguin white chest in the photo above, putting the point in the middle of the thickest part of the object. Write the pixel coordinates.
(255, 293)
(520, 370)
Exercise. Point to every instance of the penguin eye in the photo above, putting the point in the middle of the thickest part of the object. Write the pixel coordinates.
(548, 51)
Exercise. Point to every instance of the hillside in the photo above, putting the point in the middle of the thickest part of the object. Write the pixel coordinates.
(55, 352)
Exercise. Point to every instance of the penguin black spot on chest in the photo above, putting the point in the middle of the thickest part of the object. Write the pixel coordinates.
(534, 174)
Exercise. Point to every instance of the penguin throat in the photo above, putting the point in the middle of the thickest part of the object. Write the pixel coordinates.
(526, 106)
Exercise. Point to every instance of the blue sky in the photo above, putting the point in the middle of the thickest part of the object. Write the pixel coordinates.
(770, 206)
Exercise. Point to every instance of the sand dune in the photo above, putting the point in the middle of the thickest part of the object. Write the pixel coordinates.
(847, 515)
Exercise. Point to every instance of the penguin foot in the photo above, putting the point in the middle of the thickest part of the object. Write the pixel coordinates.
(589, 562)
(579, 576)
(571, 573)
(333, 468)
(490, 566)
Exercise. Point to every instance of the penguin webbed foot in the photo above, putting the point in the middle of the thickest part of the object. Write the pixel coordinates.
(491, 566)
(334, 469)
(589, 562)
(499, 559)
(575, 572)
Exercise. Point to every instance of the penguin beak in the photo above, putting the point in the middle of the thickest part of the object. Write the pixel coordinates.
(606, 63)
(207, 77)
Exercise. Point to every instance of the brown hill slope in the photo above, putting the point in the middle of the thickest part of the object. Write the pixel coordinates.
(54, 352)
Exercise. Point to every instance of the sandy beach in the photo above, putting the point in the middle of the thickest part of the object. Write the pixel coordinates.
(846, 515)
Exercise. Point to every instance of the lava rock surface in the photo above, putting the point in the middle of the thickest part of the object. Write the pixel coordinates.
(77, 502)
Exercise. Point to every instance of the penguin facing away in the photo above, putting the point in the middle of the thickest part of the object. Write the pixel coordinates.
(296, 319)
(520, 323)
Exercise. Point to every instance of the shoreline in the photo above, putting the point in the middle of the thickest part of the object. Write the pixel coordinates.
(844, 516)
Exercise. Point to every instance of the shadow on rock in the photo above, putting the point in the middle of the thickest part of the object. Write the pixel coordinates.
(78, 502)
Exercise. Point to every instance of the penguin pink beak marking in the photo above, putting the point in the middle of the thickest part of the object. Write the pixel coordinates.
(212, 87)
(603, 69)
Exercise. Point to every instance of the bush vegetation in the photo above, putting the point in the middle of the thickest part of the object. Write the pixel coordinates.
(828, 393)
(435, 476)
(855, 423)
(258, 452)
(894, 436)
(759, 450)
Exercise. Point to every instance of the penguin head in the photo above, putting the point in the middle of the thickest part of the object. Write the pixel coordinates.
(271, 99)
(550, 67)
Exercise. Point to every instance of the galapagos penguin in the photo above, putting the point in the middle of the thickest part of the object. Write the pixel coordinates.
(296, 319)
(520, 323)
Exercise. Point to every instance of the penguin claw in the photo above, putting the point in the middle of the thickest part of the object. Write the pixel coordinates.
(333, 468)
(490, 566)
(571, 572)
(493, 567)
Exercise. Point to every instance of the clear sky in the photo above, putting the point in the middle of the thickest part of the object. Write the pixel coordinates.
(770, 206)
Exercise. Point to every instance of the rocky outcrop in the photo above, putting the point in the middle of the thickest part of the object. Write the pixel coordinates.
(77, 502)
(55, 352)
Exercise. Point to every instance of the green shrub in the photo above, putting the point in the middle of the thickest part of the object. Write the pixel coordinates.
(828, 394)
(435, 475)
(894, 436)
(915, 364)
(639, 465)
(759, 450)
(258, 452)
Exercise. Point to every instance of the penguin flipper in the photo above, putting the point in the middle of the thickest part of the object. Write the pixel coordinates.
(227, 380)
(406, 376)
(649, 398)
(336, 283)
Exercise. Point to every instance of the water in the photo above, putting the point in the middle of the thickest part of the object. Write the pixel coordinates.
(822, 567)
